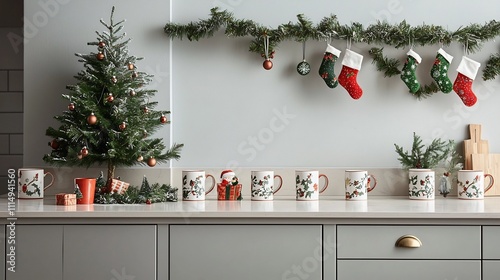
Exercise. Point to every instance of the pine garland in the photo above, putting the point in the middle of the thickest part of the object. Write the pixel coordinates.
(399, 36)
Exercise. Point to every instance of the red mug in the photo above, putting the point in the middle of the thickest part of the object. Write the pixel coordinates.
(87, 188)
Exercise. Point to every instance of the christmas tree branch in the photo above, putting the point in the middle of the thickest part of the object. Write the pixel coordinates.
(492, 68)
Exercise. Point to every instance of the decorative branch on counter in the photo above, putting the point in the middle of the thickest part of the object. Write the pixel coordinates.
(400, 35)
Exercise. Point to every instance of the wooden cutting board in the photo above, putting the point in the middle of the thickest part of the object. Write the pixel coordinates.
(474, 145)
(489, 163)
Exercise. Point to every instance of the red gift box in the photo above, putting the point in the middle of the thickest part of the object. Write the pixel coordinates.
(229, 192)
(118, 186)
(66, 199)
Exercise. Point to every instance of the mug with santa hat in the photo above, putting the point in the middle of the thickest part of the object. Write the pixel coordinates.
(228, 188)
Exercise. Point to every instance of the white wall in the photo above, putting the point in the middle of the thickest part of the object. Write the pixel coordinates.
(222, 97)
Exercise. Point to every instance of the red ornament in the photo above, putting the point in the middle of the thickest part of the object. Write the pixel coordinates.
(151, 161)
(163, 119)
(122, 126)
(268, 64)
(148, 201)
(130, 66)
(101, 45)
(132, 92)
(54, 144)
(100, 56)
(84, 152)
(92, 119)
(110, 98)
(71, 106)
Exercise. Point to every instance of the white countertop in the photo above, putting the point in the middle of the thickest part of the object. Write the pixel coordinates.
(329, 207)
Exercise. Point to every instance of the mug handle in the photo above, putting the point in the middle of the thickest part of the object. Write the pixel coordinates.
(51, 182)
(374, 183)
(326, 182)
(281, 183)
(213, 183)
(492, 182)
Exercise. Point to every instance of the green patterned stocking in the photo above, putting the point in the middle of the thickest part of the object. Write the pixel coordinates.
(326, 70)
(408, 72)
(439, 71)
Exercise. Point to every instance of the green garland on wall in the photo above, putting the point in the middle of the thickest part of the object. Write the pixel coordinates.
(400, 35)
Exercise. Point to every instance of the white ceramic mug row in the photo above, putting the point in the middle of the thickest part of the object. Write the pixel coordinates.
(263, 184)
(470, 184)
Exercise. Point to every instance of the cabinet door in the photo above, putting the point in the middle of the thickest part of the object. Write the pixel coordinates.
(491, 242)
(38, 251)
(491, 270)
(408, 269)
(109, 252)
(214, 252)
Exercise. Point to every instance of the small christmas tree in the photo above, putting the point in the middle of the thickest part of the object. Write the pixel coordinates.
(424, 157)
(110, 115)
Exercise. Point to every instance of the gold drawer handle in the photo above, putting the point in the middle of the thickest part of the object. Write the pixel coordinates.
(408, 241)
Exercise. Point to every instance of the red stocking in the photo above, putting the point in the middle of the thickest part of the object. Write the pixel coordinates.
(467, 71)
(347, 77)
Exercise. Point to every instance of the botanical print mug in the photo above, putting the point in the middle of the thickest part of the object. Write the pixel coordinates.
(421, 183)
(470, 184)
(357, 184)
(31, 182)
(263, 185)
(193, 184)
(307, 185)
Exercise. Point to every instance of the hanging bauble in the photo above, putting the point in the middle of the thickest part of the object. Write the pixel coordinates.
(271, 56)
(163, 119)
(114, 80)
(144, 133)
(151, 161)
(140, 158)
(54, 144)
(110, 97)
(71, 106)
(84, 152)
(92, 119)
(122, 126)
(303, 68)
(268, 64)
(145, 109)
(132, 92)
(100, 56)
(79, 156)
(134, 75)
(130, 66)
(101, 45)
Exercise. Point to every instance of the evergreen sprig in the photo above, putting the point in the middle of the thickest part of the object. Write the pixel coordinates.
(492, 68)
(399, 35)
(424, 157)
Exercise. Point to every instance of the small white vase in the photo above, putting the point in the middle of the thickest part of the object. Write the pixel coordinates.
(421, 184)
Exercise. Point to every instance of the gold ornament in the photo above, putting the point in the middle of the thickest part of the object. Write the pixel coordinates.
(100, 56)
(132, 92)
(151, 161)
(268, 64)
(101, 45)
(140, 158)
(130, 66)
(114, 80)
(134, 75)
(92, 119)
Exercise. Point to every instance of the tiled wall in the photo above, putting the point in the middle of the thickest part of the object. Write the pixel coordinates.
(11, 89)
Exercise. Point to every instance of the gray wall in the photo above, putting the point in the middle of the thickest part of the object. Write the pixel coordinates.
(222, 98)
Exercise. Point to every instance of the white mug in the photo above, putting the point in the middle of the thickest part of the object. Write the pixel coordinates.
(263, 185)
(31, 182)
(421, 184)
(357, 184)
(470, 184)
(193, 184)
(307, 185)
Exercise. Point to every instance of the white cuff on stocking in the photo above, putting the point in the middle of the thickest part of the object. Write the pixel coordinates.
(446, 56)
(414, 55)
(468, 67)
(333, 50)
(352, 59)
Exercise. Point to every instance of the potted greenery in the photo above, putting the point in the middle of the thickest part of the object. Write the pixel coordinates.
(422, 159)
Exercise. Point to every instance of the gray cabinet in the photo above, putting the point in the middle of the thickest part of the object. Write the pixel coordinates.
(39, 252)
(491, 252)
(408, 252)
(109, 252)
(74, 252)
(213, 252)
